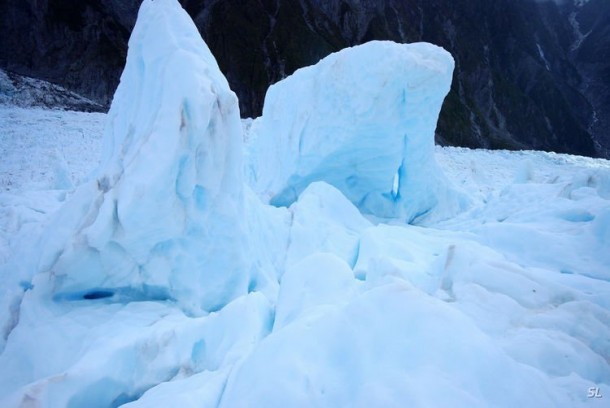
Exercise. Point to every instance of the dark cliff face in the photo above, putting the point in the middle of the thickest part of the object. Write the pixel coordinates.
(77, 44)
(590, 50)
(529, 74)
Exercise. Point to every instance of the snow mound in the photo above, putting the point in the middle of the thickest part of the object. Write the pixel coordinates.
(311, 286)
(154, 343)
(164, 218)
(384, 348)
(362, 120)
(323, 220)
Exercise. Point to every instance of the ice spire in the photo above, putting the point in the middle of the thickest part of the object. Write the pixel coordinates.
(164, 218)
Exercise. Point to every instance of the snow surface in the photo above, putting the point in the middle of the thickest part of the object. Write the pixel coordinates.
(37, 149)
(504, 304)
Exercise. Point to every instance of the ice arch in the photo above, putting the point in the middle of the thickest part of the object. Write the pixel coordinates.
(357, 119)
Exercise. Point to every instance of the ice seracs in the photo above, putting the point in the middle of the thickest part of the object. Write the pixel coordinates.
(314, 304)
(164, 217)
(363, 120)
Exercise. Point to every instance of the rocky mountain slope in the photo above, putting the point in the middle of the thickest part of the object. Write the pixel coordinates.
(529, 74)
(590, 50)
(21, 91)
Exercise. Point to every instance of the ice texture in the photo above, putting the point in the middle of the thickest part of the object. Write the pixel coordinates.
(362, 120)
(323, 220)
(391, 346)
(504, 304)
(164, 217)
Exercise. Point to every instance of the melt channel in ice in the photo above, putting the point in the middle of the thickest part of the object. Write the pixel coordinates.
(363, 120)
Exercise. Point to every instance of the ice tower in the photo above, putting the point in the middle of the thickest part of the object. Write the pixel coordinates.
(164, 218)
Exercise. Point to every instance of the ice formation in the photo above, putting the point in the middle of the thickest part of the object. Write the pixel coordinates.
(164, 218)
(505, 304)
(363, 120)
(323, 220)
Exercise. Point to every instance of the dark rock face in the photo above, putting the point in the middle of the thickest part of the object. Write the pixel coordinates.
(529, 74)
(80, 45)
(590, 51)
(17, 90)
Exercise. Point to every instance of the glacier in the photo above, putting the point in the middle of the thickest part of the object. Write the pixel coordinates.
(208, 262)
(362, 120)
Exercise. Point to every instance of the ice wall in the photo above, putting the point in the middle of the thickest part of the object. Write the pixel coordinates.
(363, 120)
(164, 218)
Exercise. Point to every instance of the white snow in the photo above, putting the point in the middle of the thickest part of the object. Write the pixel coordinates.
(32, 141)
(505, 303)
(323, 220)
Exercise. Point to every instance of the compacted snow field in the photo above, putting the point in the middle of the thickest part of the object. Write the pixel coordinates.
(323, 255)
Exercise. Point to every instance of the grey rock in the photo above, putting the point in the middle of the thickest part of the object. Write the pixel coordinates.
(17, 90)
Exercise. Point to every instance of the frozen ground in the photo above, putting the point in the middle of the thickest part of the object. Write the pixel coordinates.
(165, 278)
